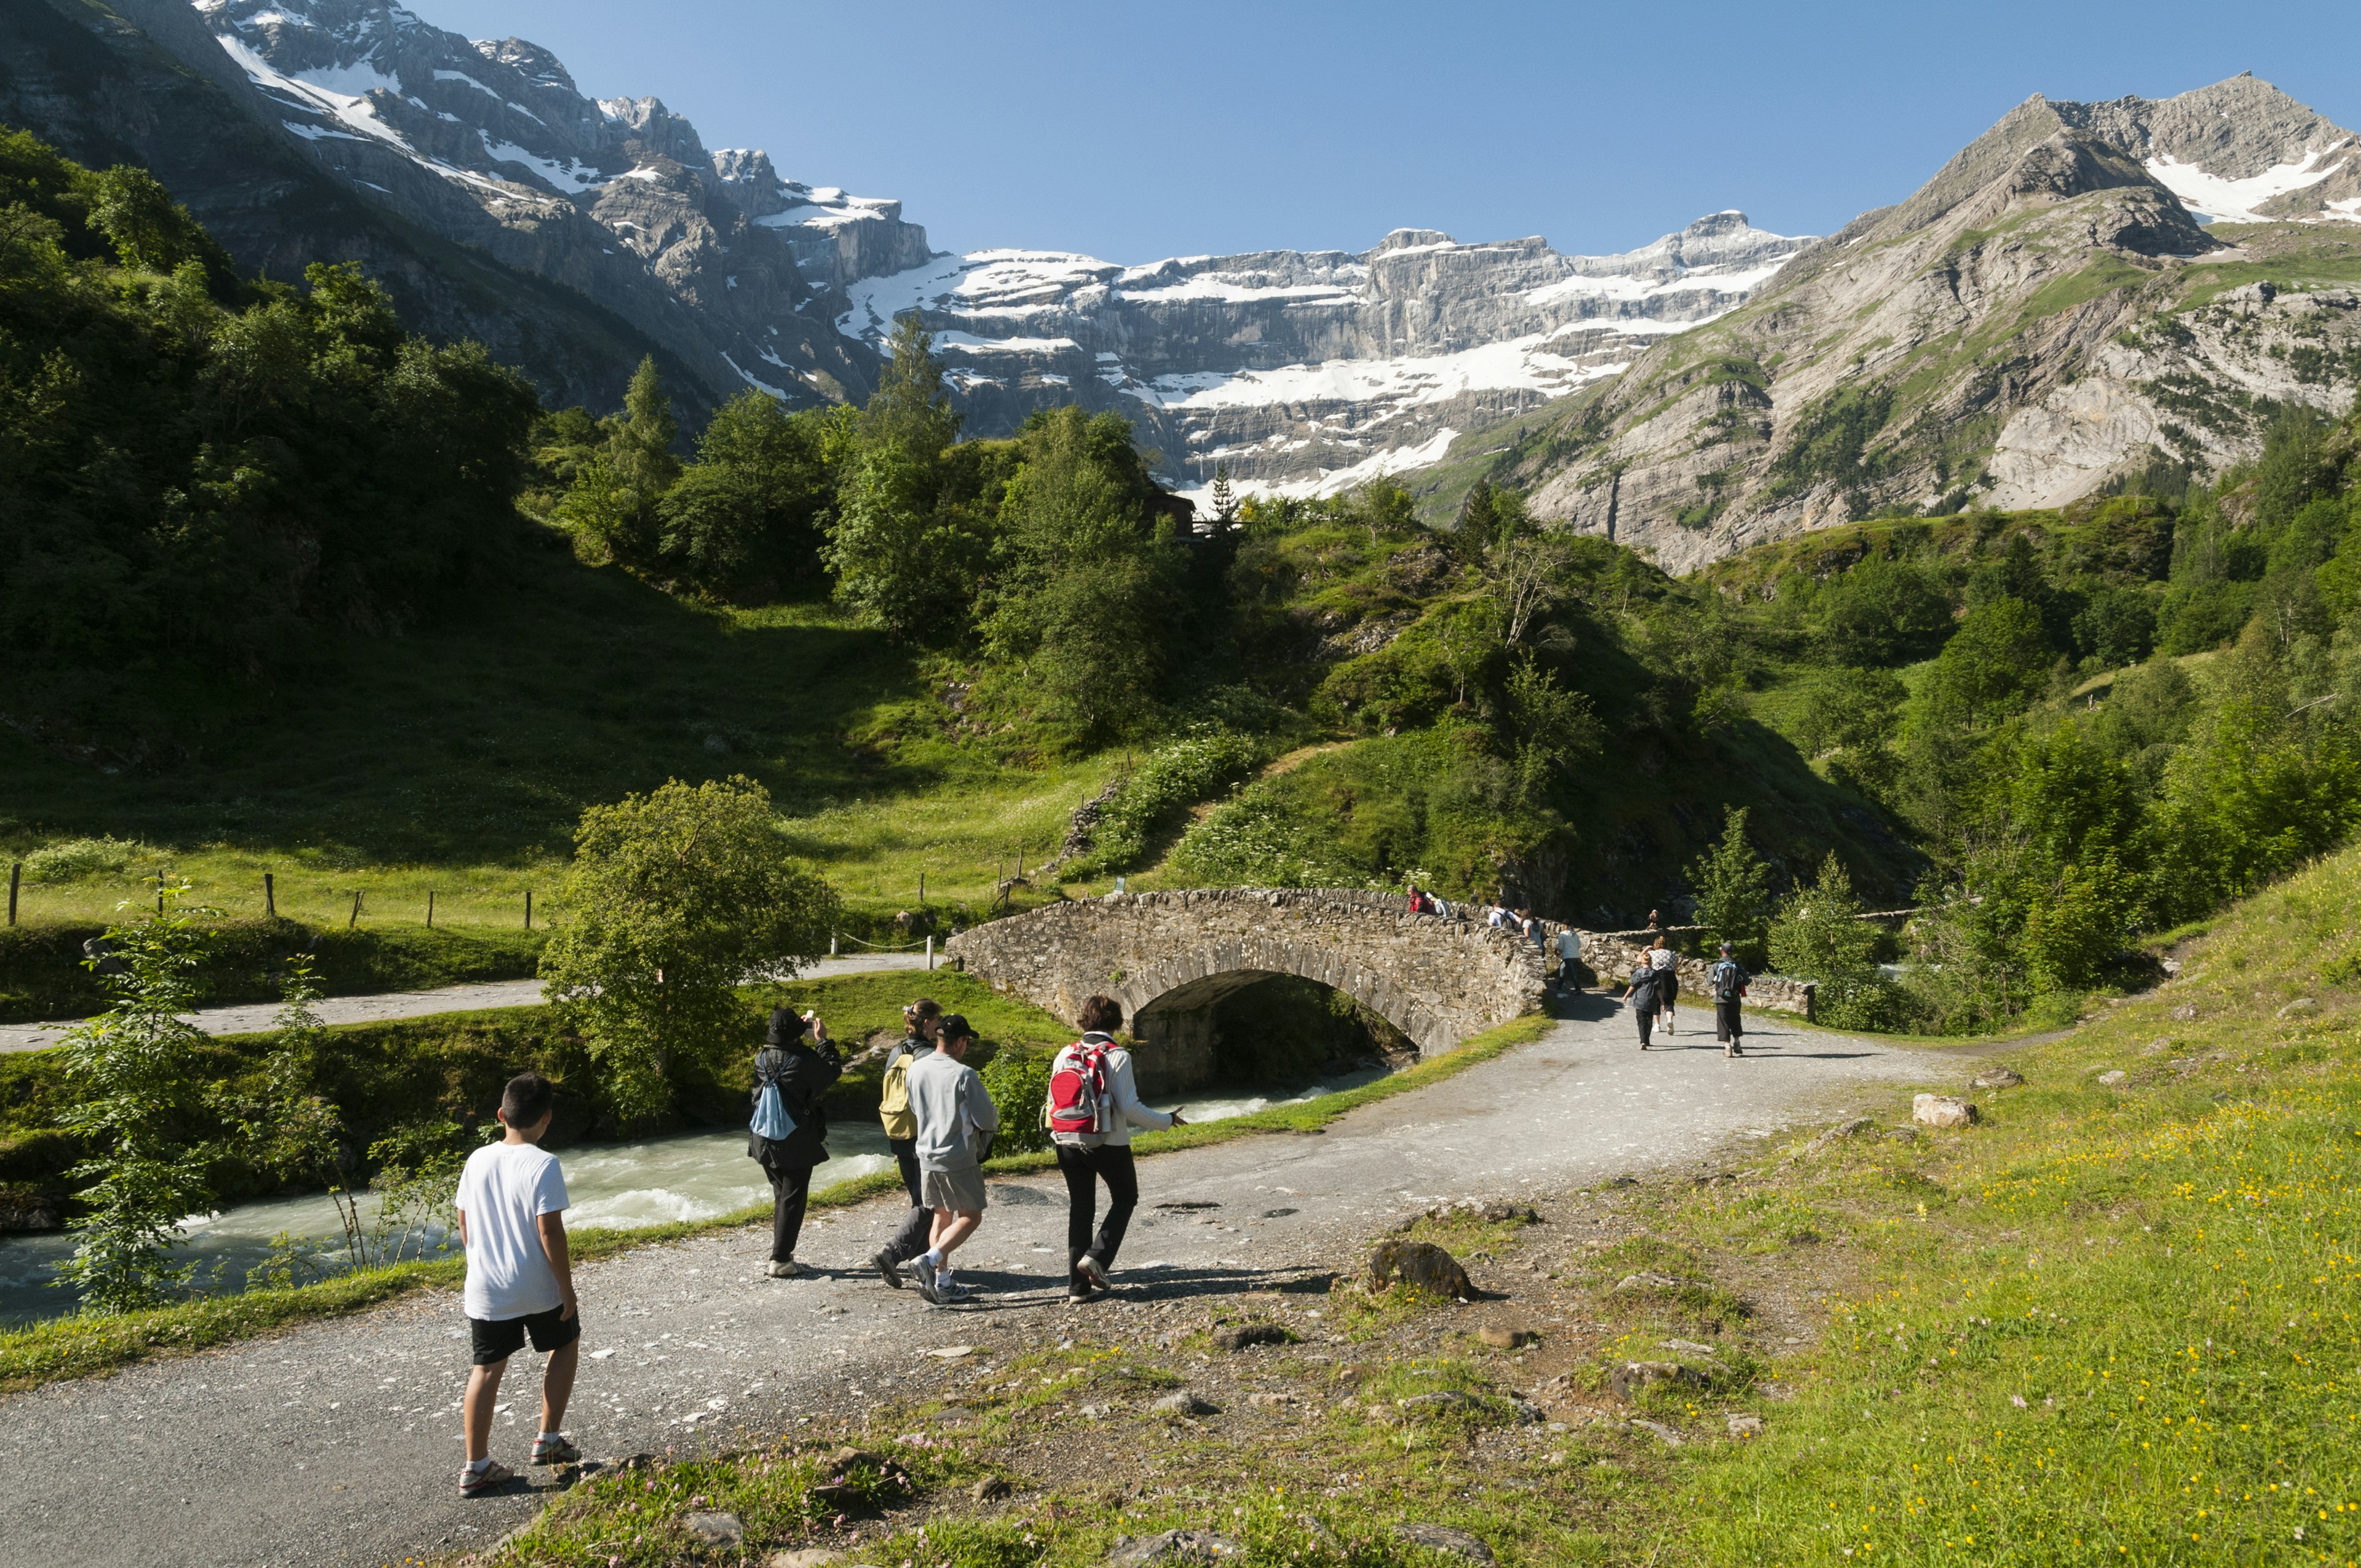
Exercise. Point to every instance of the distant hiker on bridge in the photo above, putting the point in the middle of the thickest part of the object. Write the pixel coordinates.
(1093, 1106)
(1728, 981)
(956, 1122)
(512, 1204)
(1668, 979)
(788, 1131)
(1640, 994)
(919, 1021)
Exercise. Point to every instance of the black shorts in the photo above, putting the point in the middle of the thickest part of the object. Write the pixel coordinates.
(497, 1339)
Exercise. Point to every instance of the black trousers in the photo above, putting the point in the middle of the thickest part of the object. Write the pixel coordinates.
(790, 1193)
(1726, 1024)
(910, 1238)
(1083, 1170)
(1647, 1018)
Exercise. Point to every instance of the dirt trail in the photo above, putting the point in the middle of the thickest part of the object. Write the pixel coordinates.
(337, 1442)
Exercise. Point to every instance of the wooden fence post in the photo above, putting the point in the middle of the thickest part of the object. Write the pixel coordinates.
(269, 895)
(16, 875)
(528, 909)
(354, 923)
(430, 909)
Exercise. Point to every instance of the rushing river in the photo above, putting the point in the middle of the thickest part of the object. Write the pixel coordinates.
(692, 1176)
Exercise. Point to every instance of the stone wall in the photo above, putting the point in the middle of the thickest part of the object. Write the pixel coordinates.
(1612, 958)
(1170, 957)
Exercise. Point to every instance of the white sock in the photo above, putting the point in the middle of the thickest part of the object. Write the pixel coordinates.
(553, 1437)
(942, 1275)
(478, 1464)
(933, 1260)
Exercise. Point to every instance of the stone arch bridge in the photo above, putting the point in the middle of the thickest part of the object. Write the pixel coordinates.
(1171, 957)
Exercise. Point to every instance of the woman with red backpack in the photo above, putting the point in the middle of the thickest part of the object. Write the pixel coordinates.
(1093, 1106)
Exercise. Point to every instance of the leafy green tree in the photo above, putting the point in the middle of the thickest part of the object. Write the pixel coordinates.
(615, 503)
(1088, 593)
(674, 899)
(1733, 890)
(1820, 937)
(1880, 612)
(1992, 666)
(749, 507)
(148, 229)
(134, 1095)
(1554, 729)
(906, 554)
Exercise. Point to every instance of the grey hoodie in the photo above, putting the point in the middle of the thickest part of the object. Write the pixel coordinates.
(953, 1111)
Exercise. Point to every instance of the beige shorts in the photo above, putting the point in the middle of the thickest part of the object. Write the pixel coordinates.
(961, 1190)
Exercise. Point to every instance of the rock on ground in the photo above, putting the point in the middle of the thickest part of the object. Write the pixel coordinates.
(1442, 1537)
(1422, 1266)
(1942, 1111)
(1174, 1546)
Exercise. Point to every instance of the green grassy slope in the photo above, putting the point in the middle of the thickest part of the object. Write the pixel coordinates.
(2114, 1322)
(458, 757)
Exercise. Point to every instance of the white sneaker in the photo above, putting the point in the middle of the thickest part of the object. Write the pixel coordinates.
(790, 1270)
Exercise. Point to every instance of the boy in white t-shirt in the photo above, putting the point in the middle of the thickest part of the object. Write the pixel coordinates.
(511, 1206)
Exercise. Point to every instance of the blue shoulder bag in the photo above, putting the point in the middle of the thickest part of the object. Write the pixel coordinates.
(771, 1119)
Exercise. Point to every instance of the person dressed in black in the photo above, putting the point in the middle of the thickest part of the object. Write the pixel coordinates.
(921, 1021)
(1640, 992)
(1729, 980)
(804, 1070)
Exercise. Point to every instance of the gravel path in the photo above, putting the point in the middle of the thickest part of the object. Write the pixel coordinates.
(256, 1017)
(337, 1442)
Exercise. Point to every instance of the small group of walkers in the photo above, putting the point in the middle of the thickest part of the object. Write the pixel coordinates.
(1654, 987)
(939, 1123)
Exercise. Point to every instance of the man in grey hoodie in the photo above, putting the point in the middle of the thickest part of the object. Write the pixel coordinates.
(956, 1121)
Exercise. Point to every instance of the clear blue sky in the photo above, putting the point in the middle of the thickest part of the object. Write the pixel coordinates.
(1140, 131)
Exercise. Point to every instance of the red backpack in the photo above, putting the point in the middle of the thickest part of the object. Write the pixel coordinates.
(1078, 1091)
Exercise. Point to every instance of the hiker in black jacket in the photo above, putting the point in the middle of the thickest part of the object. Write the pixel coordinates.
(1729, 980)
(803, 1075)
(1640, 990)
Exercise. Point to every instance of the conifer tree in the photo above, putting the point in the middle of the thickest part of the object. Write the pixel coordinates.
(1226, 501)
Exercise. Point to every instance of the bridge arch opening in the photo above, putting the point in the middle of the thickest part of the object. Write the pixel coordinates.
(1262, 1028)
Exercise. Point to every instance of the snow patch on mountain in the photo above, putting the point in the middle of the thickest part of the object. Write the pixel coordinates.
(2235, 201)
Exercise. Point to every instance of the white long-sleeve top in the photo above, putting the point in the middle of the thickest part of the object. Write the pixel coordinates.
(1124, 1108)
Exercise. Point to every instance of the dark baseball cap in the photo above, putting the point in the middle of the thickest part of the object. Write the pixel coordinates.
(954, 1026)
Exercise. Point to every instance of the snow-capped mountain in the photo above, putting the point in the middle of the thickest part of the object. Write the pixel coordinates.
(1307, 371)
(1301, 370)
(736, 269)
(2044, 317)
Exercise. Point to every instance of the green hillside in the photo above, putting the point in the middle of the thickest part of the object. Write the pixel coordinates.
(375, 626)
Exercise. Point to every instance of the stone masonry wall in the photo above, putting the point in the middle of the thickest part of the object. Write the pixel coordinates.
(1612, 958)
(1437, 981)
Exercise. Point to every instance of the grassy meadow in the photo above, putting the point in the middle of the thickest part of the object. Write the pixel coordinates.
(456, 758)
(2112, 1321)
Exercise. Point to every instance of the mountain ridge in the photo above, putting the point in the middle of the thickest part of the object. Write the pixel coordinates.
(2038, 320)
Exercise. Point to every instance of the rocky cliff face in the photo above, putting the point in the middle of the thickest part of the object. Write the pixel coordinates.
(2045, 316)
(490, 142)
(1302, 371)
(1309, 370)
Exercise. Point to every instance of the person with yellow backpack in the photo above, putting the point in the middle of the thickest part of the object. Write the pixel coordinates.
(920, 1019)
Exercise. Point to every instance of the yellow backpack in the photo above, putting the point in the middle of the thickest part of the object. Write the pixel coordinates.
(894, 1100)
